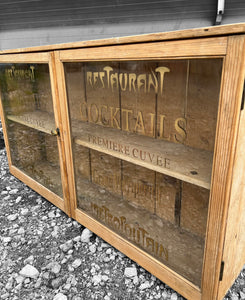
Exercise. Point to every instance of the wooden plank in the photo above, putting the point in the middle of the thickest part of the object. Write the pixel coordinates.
(41, 57)
(40, 189)
(234, 246)
(164, 273)
(168, 198)
(106, 172)
(202, 102)
(169, 49)
(226, 137)
(138, 100)
(76, 89)
(153, 37)
(138, 186)
(175, 160)
(82, 162)
(194, 209)
(171, 102)
(39, 120)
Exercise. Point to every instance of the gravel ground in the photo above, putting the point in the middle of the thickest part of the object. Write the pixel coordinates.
(46, 255)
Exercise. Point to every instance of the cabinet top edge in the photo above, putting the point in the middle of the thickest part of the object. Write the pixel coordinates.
(213, 31)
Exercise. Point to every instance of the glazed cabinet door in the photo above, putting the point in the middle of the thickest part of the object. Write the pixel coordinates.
(140, 123)
(30, 115)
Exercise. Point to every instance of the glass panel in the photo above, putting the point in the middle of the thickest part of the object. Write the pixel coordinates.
(28, 108)
(143, 137)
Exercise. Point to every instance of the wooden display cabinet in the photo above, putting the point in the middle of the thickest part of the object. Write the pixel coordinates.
(141, 140)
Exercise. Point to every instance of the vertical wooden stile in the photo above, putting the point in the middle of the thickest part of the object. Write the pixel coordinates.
(234, 247)
(66, 133)
(5, 133)
(60, 139)
(226, 137)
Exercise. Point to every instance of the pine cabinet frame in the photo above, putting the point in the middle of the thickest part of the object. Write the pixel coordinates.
(224, 252)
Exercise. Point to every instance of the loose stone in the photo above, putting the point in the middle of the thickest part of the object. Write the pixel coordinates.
(29, 260)
(92, 248)
(57, 282)
(67, 287)
(21, 230)
(5, 296)
(38, 283)
(77, 239)
(136, 280)
(18, 199)
(108, 251)
(60, 296)
(54, 267)
(14, 191)
(12, 217)
(6, 239)
(24, 211)
(29, 271)
(67, 246)
(19, 279)
(86, 235)
(174, 296)
(104, 277)
(130, 272)
(9, 284)
(96, 279)
(77, 263)
(145, 285)
(51, 215)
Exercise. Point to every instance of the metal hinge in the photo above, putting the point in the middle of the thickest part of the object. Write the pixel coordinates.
(221, 270)
(243, 97)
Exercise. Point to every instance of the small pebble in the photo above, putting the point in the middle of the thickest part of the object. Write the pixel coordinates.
(14, 191)
(29, 271)
(92, 248)
(60, 296)
(12, 217)
(96, 279)
(145, 285)
(174, 297)
(86, 235)
(77, 263)
(130, 272)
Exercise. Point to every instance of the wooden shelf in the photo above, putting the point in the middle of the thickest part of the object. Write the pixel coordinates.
(183, 250)
(176, 160)
(42, 121)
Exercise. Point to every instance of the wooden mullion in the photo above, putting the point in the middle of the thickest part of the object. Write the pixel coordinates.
(60, 139)
(226, 137)
(66, 132)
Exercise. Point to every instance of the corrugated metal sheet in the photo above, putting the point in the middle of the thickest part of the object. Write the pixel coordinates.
(27, 23)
